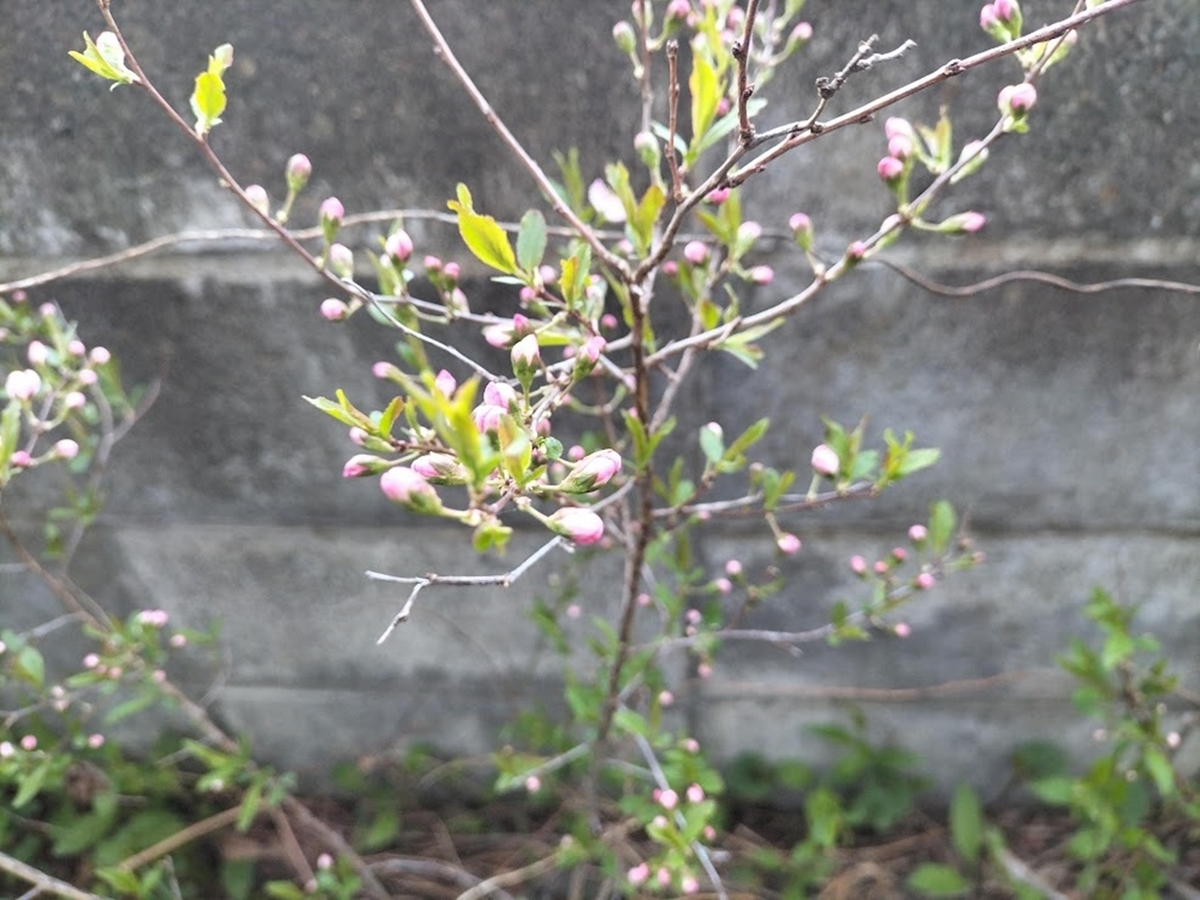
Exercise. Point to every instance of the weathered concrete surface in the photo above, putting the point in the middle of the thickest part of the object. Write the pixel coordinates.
(1067, 424)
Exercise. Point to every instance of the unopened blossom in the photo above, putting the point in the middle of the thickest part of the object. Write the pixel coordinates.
(87, 377)
(398, 245)
(341, 261)
(75, 400)
(533, 784)
(29, 742)
(858, 565)
(441, 468)
(890, 168)
(37, 353)
(666, 698)
(704, 670)
(99, 356)
(748, 233)
(664, 876)
(178, 640)
(7, 750)
(156, 618)
(298, 171)
(445, 383)
(593, 471)
(695, 252)
(925, 581)
(526, 358)
(66, 449)
(91, 661)
(640, 873)
(881, 567)
(593, 347)
(334, 310)
(802, 230)
(579, 525)
(76, 347)
(452, 270)
(22, 384)
(717, 196)
(689, 885)
(20, 459)
(95, 741)
(624, 36)
(802, 32)
(324, 861)
(723, 585)
(733, 568)
(1017, 99)
(667, 798)
(899, 554)
(902, 629)
(256, 194)
(364, 464)
(825, 460)
(407, 488)
(918, 533)
(762, 274)
(900, 147)
(432, 264)
(788, 543)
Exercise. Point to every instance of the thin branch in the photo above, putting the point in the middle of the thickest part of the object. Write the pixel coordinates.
(443, 51)
(180, 838)
(432, 869)
(741, 53)
(796, 134)
(43, 883)
(423, 581)
(673, 118)
(505, 879)
(1024, 275)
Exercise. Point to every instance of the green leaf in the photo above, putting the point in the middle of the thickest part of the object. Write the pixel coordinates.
(31, 784)
(824, 815)
(343, 411)
(645, 216)
(966, 823)
(28, 665)
(250, 804)
(120, 880)
(702, 84)
(1161, 771)
(531, 241)
(1056, 790)
(134, 704)
(937, 880)
(86, 830)
(105, 57)
(630, 722)
(483, 237)
(711, 444)
(942, 522)
(208, 101)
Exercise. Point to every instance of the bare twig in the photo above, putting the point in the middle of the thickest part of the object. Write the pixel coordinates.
(673, 118)
(433, 869)
(741, 53)
(505, 879)
(180, 838)
(1024, 275)
(423, 581)
(43, 883)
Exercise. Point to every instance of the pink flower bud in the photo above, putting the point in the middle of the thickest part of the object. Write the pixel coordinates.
(452, 270)
(445, 383)
(695, 793)
(857, 250)
(802, 32)
(579, 525)
(99, 356)
(76, 347)
(1017, 100)
(66, 449)
(717, 196)
(639, 874)
(341, 261)
(748, 233)
(723, 585)
(696, 252)
(788, 543)
(334, 310)
(358, 437)
(689, 885)
(881, 567)
(22, 384)
(988, 19)
(95, 741)
(324, 861)
(918, 533)
(75, 400)
(37, 353)
(858, 565)
(432, 264)
(399, 245)
(762, 274)
(1006, 10)
(901, 629)
(88, 377)
(895, 126)
(900, 147)
(593, 471)
(441, 468)
(664, 876)
(526, 358)
(178, 640)
(625, 37)
(497, 393)
(20, 459)
(406, 488)
(384, 369)
(257, 195)
(925, 581)
(890, 168)
(299, 169)
(91, 661)
(533, 784)
(733, 568)
(332, 213)
(825, 460)
(29, 743)
(605, 201)
(48, 310)
(668, 799)
(364, 464)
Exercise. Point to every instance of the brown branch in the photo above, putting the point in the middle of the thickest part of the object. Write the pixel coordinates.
(1024, 275)
(741, 53)
(673, 118)
(184, 836)
(97, 617)
(505, 879)
(43, 883)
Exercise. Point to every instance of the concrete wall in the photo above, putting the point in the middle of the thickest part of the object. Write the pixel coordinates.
(1068, 424)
